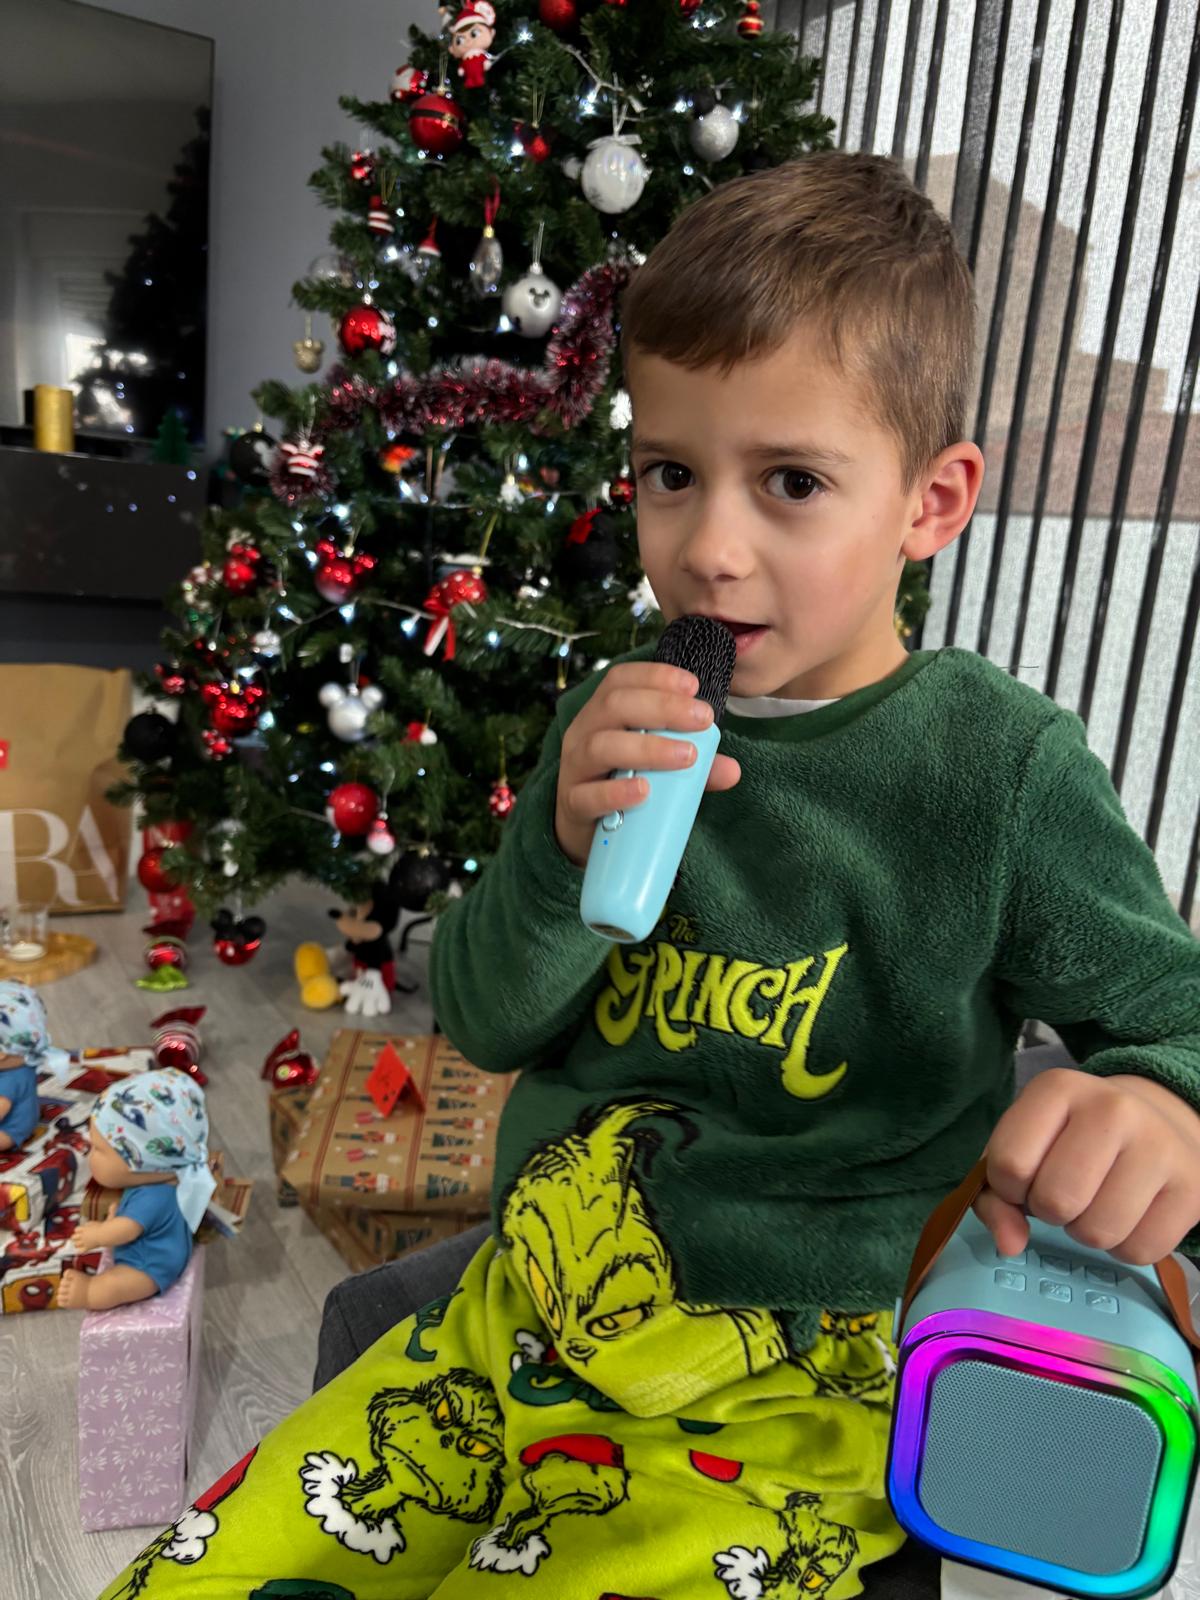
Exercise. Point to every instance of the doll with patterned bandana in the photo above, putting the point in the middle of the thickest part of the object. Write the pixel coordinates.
(150, 1139)
(24, 1043)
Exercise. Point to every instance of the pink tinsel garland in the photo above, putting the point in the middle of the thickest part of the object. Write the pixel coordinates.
(574, 373)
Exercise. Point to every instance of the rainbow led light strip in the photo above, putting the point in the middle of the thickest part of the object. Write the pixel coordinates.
(936, 1341)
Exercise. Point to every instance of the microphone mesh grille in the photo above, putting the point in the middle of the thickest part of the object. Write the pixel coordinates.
(703, 647)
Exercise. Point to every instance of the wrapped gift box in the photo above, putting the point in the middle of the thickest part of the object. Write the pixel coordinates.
(138, 1368)
(345, 1156)
(379, 1186)
(287, 1110)
(369, 1238)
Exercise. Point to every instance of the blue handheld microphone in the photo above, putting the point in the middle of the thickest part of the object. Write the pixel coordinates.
(636, 854)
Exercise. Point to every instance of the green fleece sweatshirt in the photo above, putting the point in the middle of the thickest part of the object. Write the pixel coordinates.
(819, 1035)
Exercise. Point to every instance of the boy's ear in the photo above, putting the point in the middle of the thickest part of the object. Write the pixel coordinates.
(947, 494)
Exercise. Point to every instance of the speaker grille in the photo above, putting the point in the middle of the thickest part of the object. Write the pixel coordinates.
(1055, 1472)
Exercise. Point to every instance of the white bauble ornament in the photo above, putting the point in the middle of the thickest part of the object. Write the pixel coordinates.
(347, 709)
(532, 303)
(266, 644)
(614, 173)
(714, 135)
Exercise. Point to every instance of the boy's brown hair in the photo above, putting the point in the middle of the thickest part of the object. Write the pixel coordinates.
(844, 243)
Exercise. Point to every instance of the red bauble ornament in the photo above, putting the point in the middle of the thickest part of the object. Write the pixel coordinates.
(689, 6)
(560, 15)
(502, 800)
(234, 708)
(166, 951)
(338, 574)
(352, 808)
(176, 1041)
(216, 744)
(241, 571)
(151, 875)
(437, 124)
(367, 328)
(622, 490)
(460, 588)
(534, 142)
(750, 24)
(362, 167)
(171, 680)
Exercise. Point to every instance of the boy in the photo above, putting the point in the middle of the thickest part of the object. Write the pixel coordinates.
(670, 1375)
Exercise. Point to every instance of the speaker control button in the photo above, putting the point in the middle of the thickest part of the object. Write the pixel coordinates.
(1010, 1280)
(1103, 1302)
(1049, 1290)
(1053, 1263)
(1099, 1275)
(612, 821)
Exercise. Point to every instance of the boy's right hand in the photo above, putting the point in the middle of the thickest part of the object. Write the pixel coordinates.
(607, 737)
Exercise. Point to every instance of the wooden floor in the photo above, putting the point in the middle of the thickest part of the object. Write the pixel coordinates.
(264, 1291)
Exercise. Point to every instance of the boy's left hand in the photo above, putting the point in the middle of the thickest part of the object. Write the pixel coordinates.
(1115, 1161)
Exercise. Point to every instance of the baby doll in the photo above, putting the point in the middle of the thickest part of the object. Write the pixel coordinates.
(149, 1138)
(24, 1043)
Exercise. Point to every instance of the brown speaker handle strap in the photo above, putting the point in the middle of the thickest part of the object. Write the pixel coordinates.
(948, 1213)
(939, 1229)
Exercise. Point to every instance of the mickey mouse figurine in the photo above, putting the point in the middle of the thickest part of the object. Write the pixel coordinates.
(367, 928)
(471, 32)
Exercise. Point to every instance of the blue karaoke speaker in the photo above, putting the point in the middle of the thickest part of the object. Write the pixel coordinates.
(1047, 1408)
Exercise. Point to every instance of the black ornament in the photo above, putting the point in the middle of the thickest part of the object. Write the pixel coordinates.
(416, 877)
(703, 101)
(250, 457)
(597, 557)
(149, 737)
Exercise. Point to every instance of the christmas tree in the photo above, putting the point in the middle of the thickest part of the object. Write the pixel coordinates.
(367, 659)
(150, 365)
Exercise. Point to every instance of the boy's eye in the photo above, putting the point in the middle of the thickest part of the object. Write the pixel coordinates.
(666, 475)
(794, 484)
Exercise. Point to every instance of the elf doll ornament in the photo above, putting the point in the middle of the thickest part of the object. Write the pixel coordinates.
(367, 928)
(149, 1138)
(471, 34)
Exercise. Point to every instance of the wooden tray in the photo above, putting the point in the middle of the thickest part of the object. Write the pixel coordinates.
(65, 953)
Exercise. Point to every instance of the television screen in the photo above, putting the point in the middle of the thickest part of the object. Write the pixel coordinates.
(104, 145)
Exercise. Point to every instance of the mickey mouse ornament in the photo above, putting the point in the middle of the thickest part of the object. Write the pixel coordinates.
(347, 709)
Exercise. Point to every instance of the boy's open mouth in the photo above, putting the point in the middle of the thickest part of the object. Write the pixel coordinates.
(746, 634)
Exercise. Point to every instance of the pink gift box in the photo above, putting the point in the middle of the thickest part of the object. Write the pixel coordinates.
(138, 1367)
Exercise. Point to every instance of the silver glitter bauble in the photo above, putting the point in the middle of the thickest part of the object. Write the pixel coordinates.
(266, 644)
(614, 173)
(532, 303)
(714, 135)
(347, 709)
(308, 353)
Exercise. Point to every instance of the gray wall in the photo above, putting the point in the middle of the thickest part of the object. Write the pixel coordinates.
(280, 67)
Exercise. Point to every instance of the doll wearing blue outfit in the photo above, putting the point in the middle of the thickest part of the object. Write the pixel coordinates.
(149, 1138)
(24, 1043)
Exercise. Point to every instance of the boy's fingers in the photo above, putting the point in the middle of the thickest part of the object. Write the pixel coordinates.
(1007, 1224)
(591, 800)
(725, 773)
(642, 708)
(615, 750)
(651, 675)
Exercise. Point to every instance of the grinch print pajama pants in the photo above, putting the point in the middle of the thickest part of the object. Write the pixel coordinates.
(562, 1427)
(462, 1456)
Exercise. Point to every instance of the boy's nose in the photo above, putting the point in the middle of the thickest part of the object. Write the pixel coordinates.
(715, 549)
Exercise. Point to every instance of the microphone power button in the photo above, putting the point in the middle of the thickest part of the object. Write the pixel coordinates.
(612, 821)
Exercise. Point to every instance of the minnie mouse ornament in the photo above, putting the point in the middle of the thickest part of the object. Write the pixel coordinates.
(236, 939)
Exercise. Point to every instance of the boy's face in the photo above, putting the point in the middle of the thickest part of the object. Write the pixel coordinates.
(771, 499)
